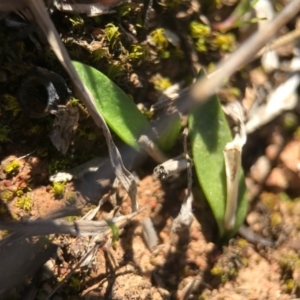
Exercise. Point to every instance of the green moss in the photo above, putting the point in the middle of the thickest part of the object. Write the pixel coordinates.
(199, 30)
(12, 166)
(71, 218)
(224, 42)
(159, 39)
(201, 45)
(276, 219)
(217, 271)
(161, 83)
(289, 261)
(99, 54)
(76, 21)
(75, 283)
(124, 9)
(112, 33)
(24, 202)
(6, 195)
(58, 189)
(241, 243)
(137, 52)
(74, 102)
(289, 285)
(269, 200)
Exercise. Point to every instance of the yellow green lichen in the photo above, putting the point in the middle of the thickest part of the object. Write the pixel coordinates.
(24, 202)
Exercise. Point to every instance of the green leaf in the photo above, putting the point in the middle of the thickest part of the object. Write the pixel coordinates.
(118, 110)
(209, 133)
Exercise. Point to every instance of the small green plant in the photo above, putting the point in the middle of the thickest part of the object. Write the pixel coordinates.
(11, 104)
(199, 30)
(206, 39)
(159, 39)
(119, 111)
(19, 192)
(161, 83)
(112, 33)
(24, 202)
(137, 53)
(74, 102)
(209, 134)
(12, 166)
(76, 21)
(71, 218)
(224, 42)
(75, 283)
(58, 189)
(6, 195)
(100, 53)
(124, 9)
